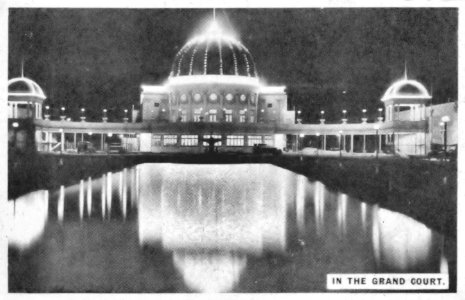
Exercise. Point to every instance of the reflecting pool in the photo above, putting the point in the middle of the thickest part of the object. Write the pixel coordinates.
(206, 228)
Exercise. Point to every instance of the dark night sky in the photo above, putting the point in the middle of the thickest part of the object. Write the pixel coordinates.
(97, 58)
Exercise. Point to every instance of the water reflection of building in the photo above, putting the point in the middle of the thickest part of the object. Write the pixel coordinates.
(214, 91)
(211, 217)
(213, 220)
(27, 217)
(401, 244)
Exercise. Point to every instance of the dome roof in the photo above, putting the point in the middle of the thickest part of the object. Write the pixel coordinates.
(22, 86)
(213, 53)
(406, 89)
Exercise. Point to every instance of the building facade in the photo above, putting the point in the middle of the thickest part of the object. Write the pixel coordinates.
(214, 97)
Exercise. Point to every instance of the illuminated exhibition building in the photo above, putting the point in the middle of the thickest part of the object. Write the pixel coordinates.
(214, 95)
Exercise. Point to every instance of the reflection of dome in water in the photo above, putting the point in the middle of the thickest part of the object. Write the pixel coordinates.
(406, 88)
(213, 53)
(23, 86)
(210, 272)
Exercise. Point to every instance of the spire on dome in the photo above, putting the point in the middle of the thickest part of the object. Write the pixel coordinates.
(213, 28)
(405, 70)
(22, 67)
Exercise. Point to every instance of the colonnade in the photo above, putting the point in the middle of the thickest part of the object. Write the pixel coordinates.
(417, 112)
(342, 141)
(13, 113)
(46, 140)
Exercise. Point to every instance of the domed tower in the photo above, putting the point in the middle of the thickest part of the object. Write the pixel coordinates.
(406, 100)
(214, 79)
(405, 104)
(25, 99)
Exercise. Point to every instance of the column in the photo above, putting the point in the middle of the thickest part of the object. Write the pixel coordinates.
(351, 143)
(324, 141)
(47, 136)
(62, 141)
(75, 145)
(394, 141)
(15, 111)
(101, 142)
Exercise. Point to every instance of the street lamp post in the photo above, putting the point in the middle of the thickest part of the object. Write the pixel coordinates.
(300, 141)
(376, 127)
(318, 143)
(445, 120)
(340, 143)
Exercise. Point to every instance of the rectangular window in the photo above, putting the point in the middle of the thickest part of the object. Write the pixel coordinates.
(157, 104)
(212, 117)
(268, 139)
(228, 115)
(189, 140)
(156, 140)
(254, 139)
(183, 116)
(219, 143)
(242, 116)
(197, 115)
(235, 140)
(270, 105)
(252, 119)
(170, 140)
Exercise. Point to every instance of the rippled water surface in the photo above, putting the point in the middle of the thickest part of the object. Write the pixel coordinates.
(206, 228)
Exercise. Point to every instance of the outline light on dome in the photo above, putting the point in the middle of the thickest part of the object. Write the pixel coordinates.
(212, 31)
(34, 89)
(153, 89)
(213, 34)
(272, 89)
(393, 92)
(210, 78)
